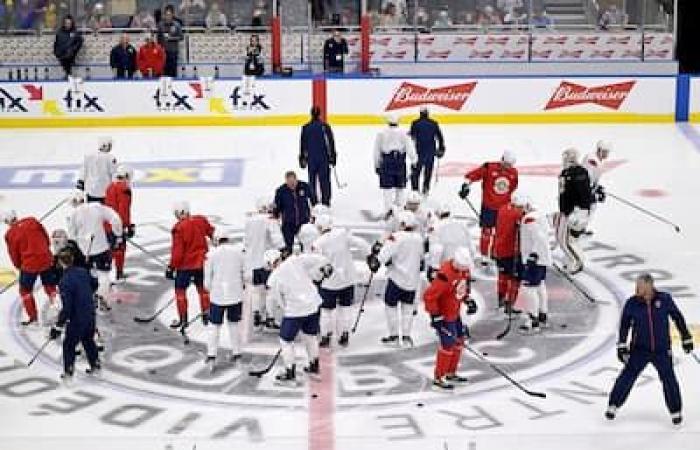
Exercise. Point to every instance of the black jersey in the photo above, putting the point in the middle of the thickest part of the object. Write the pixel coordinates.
(574, 189)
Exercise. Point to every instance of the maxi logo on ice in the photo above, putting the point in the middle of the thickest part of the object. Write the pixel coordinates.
(156, 174)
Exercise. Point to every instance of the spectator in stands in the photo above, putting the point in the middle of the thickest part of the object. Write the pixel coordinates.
(259, 15)
(514, 16)
(192, 12)
(390, 16)
(422, 19)
(489, 16)
(51, 16)
(611, 17)
(122, 58)
(443, 19)
(169, 36)
(143, 19)
(215, 17)
(24, 14)
(151, 58)
(334, 50)
(540, 19)
(253, 61)
(67, 44)
(99, 19)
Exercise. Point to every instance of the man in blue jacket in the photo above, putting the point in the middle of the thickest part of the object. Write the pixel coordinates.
(77, 289)
(647, 314)
(292, 206)
(317, 151)
(122, 58)
(430, 144)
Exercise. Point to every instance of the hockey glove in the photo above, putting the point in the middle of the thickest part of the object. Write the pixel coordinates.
(464, 191)
(373, 263)
(599, 194)
(284, 253)
(303, 160)
(623, 353)
(426, 246)
(169, 273)
(437, 322)
(332, 159)
(378, 171)
(431, 273)
(80, 185)
(376, 248)
(55, 332)
(471, 306)
(130, 231)
(532, 259)
(326, 271)
(688, 344)
(440, 152)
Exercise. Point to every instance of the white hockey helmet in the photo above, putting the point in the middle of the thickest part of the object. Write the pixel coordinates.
(219, 235)
(407, 219)
(77, 198)
(320, 209)
(8, 216)
(443, 209)
(181, 208)
(413, 200)
(124, 171)
(603, 149)
(59, 239)
(324, 222)
(508, 158)
(263, 204)
(569, 157)
(519, 200)
(392, 119)
(271, 257)
(104, 144)
(462, 259)
(308, 233)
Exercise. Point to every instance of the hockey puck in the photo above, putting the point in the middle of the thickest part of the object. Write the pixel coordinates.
(485, 353)
(155, 329)
(152, 371)
(563, 325)
(420, 405)
(369, 393)
(314, 395)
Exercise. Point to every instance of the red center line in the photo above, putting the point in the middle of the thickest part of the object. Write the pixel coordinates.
(322, 407)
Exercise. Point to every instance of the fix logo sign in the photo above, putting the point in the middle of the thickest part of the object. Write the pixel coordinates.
(13, 100)
(152, 174)
(240, 100)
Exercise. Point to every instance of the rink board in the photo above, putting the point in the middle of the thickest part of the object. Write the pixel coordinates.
(694, 101)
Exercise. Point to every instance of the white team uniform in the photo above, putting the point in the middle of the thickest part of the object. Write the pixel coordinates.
(86, 227)
(446, 235)
(424, 216)
(391, 148)
(97, 172)
(405, 251)
(336, 245)
(534, 240)
(224, 271)
(308, 233)
(594, 166)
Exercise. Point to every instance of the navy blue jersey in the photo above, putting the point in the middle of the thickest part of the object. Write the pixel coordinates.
(427, 136)
(293, 205)
(77, 288)
(649, 323)
(317, 145)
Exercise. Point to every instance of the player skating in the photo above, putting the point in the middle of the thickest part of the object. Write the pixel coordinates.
(97, 171)
(118, 197)
(391, 149)
(446, 235)
(506, 250)
(594, 163)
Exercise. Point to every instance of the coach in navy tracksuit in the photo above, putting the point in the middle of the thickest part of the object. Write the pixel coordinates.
(647, 314)
(292, 207)
(429, 144)
(317, 150)
(77, 289)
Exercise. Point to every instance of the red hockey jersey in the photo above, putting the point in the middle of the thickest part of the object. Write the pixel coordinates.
(118, 197)
(29, 246)
(497, 183)
(445, 294)
(507, 242)
(190, 243)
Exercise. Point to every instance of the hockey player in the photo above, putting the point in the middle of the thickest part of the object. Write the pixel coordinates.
(534, 249)
(97, 171)
(292, 201)
(28, 247)
(338, 289)
(425, 133)
(86, 226)
(77, 315)
(594, 164)
(261, 233)
(575, 201)
(443, 301)
(308, 233)
(402, 253)
(317, 151)
(189, 247)
(292, 285)
(499, 180)
(391, 148)
(118, 197)
(506, 250)
(647, 314)
(444, 237)
(224, 272)
(416, 205)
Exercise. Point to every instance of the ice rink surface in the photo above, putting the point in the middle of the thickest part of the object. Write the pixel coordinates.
(155, 393)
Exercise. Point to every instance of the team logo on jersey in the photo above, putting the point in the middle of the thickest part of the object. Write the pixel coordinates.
(501, 185)
(409, 95)
(610, 96)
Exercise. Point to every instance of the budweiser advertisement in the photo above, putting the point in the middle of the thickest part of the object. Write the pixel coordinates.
(410, 95)
(610, 96)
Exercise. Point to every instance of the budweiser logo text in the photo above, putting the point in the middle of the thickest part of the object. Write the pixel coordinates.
(610, 96)
(409, 95)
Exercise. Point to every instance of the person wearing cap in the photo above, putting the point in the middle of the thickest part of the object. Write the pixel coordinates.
(499, 179)
(391, 148)
(224, 275)
(506, 250)
(151, 58)
(189, 248)
(317, 152)
(29, 248)
(292, 205)
(427, 136)
(646, 314)
(443, 301)
(118, 197)
(97, 171)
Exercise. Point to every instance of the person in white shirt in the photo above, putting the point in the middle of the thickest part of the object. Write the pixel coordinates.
(293, 285)
(97, 171)
(594, 163)
(391, 148)
(402, 253)
(224, 273)
(445, 236)
(339, 289)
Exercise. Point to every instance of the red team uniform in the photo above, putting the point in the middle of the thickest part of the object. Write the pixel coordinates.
(189, 248)
(29, 247)
(507, 252)
(498, 183)
(118, 197)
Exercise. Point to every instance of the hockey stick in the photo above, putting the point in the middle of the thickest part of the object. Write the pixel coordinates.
(516, 251)
(695, 357)
(6, 288)
(183, 329)
(437, 172)
(52, 210)
(36, 355)
(362, 303)
(147, 253)
(471, 206)
(260, 373)
(152, 317)
(337, 181)
(507, 330)
(644, 211)
(573, 282)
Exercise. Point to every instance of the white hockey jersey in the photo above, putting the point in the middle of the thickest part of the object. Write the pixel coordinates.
(261, 232)
(86, 224)
(291, 284)
(393, 139)
(97, 171)
(308, 233)
(405, 251)
(423, 215)
(445, 237)
(336, 245)
(594, 166)
(224, 269)
(534, 238)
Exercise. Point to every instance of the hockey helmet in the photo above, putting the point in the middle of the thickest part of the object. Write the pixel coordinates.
(59, 239)
(271, 257)
(8, 216)
(443, 209)
(462, 259)
(124, 171)
(603, 149)
(181, 208)
(324, 222)
(104, 144)
(413, 200)
(407, 219)
(508, 158)
(569, 157)
(320, 209)
(308, 233)
(392, 119)
(77, 198)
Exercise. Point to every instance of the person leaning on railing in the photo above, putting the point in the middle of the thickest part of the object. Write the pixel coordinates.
(67, 44)
(169, 36)
(151, 58)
